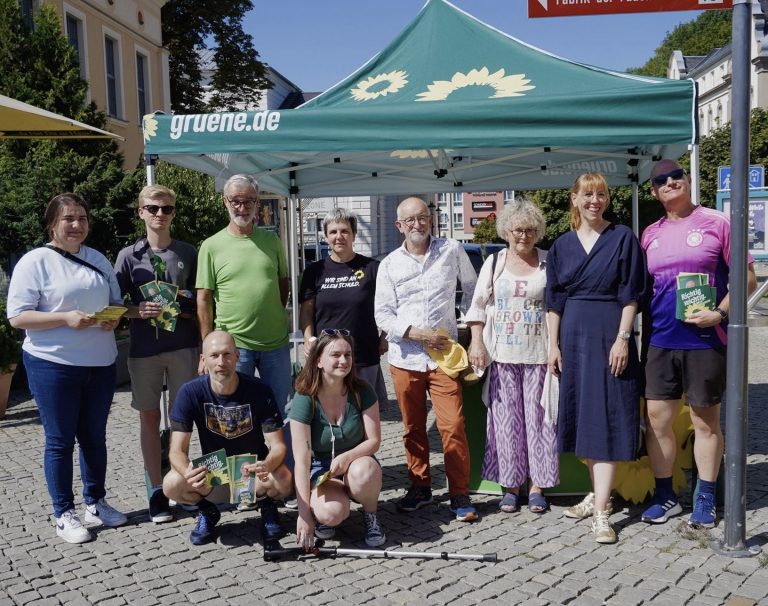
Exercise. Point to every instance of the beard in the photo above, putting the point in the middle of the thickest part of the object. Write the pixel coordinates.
(242, 220)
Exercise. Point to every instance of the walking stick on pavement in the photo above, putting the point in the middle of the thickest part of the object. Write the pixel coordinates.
(278, 553)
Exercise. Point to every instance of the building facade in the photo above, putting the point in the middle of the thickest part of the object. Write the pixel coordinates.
(712, 74)
(120, 47)
(458, 213)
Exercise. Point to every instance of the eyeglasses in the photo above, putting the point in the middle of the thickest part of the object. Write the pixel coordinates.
(335, 332)
(675, 175)
(152, 209)
(244, 203)
(411, 221)
(519, 233)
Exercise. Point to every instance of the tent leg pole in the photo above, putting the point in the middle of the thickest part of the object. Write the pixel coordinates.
(695, 181)
(149, 163)
(293, 267)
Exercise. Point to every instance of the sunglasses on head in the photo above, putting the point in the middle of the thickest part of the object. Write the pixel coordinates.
(335, 332)
(153, 208)
(676, 175)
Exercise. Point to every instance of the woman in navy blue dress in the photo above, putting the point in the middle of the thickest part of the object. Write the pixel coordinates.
(596, 278)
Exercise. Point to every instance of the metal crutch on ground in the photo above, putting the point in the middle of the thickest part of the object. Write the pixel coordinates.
(272, 555)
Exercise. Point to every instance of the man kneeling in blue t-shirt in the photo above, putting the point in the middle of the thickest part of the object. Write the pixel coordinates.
(234, 412)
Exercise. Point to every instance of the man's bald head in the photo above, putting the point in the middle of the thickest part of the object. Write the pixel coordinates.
(218, 338)
(411, 206)
(220, 356)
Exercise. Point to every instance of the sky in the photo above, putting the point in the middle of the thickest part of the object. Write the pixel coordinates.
(317, 43)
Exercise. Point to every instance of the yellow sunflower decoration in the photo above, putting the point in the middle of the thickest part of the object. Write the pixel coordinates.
(359, 274)
(379, 86)
(149, 127)
(634, 480)
(513, 85)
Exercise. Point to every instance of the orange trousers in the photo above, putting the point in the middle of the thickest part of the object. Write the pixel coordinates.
(411, 391)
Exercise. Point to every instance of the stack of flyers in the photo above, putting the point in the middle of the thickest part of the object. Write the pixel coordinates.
(217, 473)
(242, 487)
(693, 294)
(109, 314)
(164, 294)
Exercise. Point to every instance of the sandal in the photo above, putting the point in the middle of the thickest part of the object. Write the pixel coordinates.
(537, 503)
(508, 503)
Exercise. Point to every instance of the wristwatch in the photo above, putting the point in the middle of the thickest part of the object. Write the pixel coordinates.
(723, 315)
(624, 334)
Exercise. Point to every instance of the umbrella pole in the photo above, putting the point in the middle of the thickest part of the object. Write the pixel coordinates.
(293, 266)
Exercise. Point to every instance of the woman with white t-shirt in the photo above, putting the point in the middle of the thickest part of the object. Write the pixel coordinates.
(508, 307)
(69, 357)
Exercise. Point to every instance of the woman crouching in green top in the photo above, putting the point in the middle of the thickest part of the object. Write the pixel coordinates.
(336, 430)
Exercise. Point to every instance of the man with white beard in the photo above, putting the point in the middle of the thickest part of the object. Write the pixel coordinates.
(415, 306)
(243, 270)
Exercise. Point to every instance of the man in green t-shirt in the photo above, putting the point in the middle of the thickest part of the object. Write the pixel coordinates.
(243, 271)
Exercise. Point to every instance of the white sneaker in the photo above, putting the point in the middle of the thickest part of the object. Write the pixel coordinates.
(104, 514)
(586, 508)
(602, 529)
(69, 528)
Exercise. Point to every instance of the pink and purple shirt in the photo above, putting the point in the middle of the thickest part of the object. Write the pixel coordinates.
(699, 243)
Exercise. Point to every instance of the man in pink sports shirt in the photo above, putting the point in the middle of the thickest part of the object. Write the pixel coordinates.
(685, 356)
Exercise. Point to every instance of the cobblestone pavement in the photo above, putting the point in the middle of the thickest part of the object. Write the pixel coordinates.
(543, 559)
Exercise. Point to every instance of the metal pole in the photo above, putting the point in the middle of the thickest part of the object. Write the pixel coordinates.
(695, 175)
(272, 555)
(733, 542)
(293, 203)
(149, 163)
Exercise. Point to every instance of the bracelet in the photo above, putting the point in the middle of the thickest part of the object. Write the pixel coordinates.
(624, 334)
(723, 315)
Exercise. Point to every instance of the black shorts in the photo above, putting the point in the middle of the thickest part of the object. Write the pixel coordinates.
(697, 373)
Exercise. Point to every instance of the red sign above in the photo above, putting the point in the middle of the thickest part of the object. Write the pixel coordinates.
(576, 8)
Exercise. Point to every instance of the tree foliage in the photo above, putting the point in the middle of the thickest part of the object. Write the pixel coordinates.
(710, 30)
(188, 26)
(485, 232)
(39, 67)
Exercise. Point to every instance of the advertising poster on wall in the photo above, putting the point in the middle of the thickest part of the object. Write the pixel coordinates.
(755, 224)
(268, 216)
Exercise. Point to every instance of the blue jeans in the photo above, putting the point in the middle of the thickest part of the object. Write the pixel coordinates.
(74, 403)
(275, 370)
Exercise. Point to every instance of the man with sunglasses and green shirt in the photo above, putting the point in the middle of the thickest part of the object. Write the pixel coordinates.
(158, 355)
(243, 270)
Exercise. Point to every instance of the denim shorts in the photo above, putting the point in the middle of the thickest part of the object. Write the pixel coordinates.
(320, 466)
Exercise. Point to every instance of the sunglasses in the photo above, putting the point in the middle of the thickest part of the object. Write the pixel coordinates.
(153, 208)
(335, 332)
(675, 175)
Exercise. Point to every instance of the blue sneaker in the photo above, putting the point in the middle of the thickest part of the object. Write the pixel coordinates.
(662, 508)
(270, 520)
(463, 508)
(703, 515)
(208, 516)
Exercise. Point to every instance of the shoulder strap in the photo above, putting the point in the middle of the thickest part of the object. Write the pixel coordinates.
(357, 402)
(73, 258)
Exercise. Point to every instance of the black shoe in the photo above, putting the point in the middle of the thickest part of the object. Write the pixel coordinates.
(208, 516)
(159, 508)
(270, 520)
(416, 497)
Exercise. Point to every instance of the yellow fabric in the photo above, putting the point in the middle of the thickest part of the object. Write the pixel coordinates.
(451, 361)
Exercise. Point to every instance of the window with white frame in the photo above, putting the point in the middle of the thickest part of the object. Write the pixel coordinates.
(458, 219)
(443, 220)
(112, 73)
(142, 84)
(458, 199)
(509, 195)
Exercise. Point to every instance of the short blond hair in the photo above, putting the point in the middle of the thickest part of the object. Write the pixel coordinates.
(521, 211)
(151, 192)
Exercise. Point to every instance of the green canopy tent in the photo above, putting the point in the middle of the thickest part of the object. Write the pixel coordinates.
(451, 104)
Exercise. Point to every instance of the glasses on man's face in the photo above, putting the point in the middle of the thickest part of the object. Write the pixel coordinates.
(519, 233)
(242, 202)
(675, 175)
(411, 221)
(153, 209)
(335, 332)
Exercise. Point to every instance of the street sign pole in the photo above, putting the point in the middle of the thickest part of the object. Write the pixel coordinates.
(733, 542)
